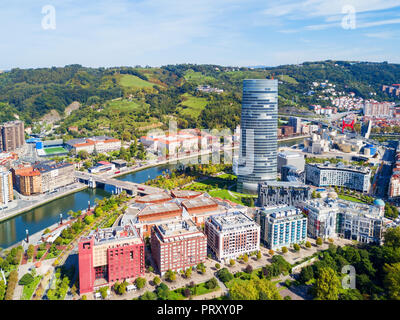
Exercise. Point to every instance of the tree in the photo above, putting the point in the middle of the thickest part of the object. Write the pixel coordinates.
(284, 250)
(171, 275)
(187, 292)
(245, 257)
(319, 241)
(248, 269)
(296, 247)
(314, 194)
(156, 280)
(232, 262)
(392, 237)
(306, 274)
(351, 294)
(212, 283)
(243, 291)
(259, 255)
(148, 295)
(103, 292)
(217, 266)
(327, 285)
(140, 282)
(308, 244)
(224, 275)
(2, 289)
(392, 280)
(188, 273)
(30, 251)
(271, 252)
(88, 219)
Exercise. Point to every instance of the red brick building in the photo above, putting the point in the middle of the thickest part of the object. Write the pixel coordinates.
(178, 246)
(110, 255)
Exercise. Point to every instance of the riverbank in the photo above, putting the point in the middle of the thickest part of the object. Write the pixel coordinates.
(41, 202)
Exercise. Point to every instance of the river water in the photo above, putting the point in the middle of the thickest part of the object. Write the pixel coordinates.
(35, 220)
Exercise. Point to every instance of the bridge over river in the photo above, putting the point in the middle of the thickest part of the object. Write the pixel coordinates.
(115, 186)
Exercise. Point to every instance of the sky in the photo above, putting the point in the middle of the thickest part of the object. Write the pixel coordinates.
(105, 33)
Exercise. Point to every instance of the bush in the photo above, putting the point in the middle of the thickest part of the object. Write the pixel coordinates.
(212, 283)
(232, 262)
(284, 250)
(319, 241)
(296, 247)
(217, 266)
(308, 244)
(287, 298)
(224, 275)
(27, 278)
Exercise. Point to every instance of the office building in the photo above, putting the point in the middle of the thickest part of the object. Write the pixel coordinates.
(6, 186)
(55, 175)
(178, 245)
(232, 234)
(327, 174)
(282, 226)
(12, 135)
(331, 217)
(258, 144)
(110, 255)
(291, 158)
(295, 123)
(277, 193)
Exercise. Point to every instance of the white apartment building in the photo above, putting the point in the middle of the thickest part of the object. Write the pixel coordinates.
(232, 234)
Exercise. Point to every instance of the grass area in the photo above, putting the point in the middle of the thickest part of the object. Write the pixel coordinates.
(350, 198)
(192, 105)
(128, 80)
(287, 79)
(192, 75)
(123, 105)
(55, 150)
(30, 288)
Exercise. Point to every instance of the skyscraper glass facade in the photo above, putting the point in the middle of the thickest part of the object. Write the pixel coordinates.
(259, 124)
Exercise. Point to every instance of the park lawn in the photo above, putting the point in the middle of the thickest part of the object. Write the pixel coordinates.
(350, 198)
(224, 195)
(202, 289)
(129, 80)
(30, 288)
(192, 105)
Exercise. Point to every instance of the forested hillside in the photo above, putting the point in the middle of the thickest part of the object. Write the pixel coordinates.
(135, 98)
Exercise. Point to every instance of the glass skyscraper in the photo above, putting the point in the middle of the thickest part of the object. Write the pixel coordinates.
(259, 125)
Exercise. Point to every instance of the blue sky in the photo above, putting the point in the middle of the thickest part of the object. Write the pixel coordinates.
(226, 32)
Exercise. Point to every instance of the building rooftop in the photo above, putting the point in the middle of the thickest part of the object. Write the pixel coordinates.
(231, 220)
(286, 184)
(179, 230)
(114, 234)
(156, 197)
(160, 208)
(282, 213)
(340, 166)
(46, 166)
(185, 193)
(198, 202)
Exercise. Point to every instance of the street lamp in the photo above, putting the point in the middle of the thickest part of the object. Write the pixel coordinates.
(27, 236)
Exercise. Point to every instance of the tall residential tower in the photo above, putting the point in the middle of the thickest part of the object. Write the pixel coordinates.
(259, 125)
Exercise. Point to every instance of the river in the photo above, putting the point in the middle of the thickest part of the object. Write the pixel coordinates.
(35, 220)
